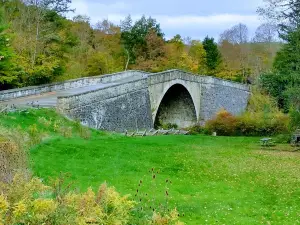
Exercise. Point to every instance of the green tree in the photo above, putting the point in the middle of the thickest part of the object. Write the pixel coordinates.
(213, 55)
(8, 75)
(134, 36)
(283, 82)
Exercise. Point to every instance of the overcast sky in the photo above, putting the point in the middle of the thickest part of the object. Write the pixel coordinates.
(193, 18)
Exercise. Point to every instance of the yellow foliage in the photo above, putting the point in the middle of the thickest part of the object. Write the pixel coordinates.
(3, 205)
(42, 208)
(169, 219)
(32, 202)
(19, 209)
(260, 102)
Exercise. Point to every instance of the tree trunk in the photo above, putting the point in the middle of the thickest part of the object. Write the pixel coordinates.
(128, 58)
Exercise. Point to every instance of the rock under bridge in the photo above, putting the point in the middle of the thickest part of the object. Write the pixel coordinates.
(136, 100)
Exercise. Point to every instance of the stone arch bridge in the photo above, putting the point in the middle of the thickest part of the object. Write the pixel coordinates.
(135, 99)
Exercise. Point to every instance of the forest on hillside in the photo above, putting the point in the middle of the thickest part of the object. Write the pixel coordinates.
(38, 45)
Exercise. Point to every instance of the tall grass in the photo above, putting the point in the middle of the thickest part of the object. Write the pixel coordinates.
(13, 153)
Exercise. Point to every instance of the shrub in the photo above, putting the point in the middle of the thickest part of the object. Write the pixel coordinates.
(32, 202)
(169, 126)
(84, 132)
(262, 118)
(197, 129)
(295, 119)
(224, 124)
(262, 124)
(34, 135)
(171, 218)
(283, 138)
(65, 131)
(249, 124)
(261, 103)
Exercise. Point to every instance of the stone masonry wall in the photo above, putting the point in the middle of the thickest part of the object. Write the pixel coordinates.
(116, 108)
(217, 94)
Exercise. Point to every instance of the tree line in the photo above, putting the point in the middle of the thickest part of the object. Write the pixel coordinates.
(283, 80)
(38, 45)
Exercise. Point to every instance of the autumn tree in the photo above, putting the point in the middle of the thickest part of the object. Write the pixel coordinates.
(107, 54)
(108, 39)
(151, 58)
(42, 39)
(231, 67)
(235, 49)
(40, 11)
(263, 48)
(198, 53)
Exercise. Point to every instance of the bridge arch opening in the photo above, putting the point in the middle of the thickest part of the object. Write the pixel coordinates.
(176, 109)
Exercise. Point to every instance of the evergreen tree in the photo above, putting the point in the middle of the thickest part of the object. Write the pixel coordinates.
(213, 55)
(284, 81)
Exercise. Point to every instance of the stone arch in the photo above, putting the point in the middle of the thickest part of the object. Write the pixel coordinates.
(176, 107)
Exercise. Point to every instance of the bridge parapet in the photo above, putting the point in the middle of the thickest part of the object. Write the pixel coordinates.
(69, 84)
(169, 75)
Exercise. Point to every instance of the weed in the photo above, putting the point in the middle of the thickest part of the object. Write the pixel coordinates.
(148, 209)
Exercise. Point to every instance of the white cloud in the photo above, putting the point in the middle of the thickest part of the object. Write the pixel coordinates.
(193, 25)
(190, 21)
(220, 20)
(80, 6)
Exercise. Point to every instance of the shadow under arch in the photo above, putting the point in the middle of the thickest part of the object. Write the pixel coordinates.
(176, 107)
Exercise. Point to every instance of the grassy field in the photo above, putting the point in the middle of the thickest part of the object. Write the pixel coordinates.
(210, 180)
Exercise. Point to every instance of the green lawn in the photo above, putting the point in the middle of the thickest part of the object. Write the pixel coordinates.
(215, 180)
